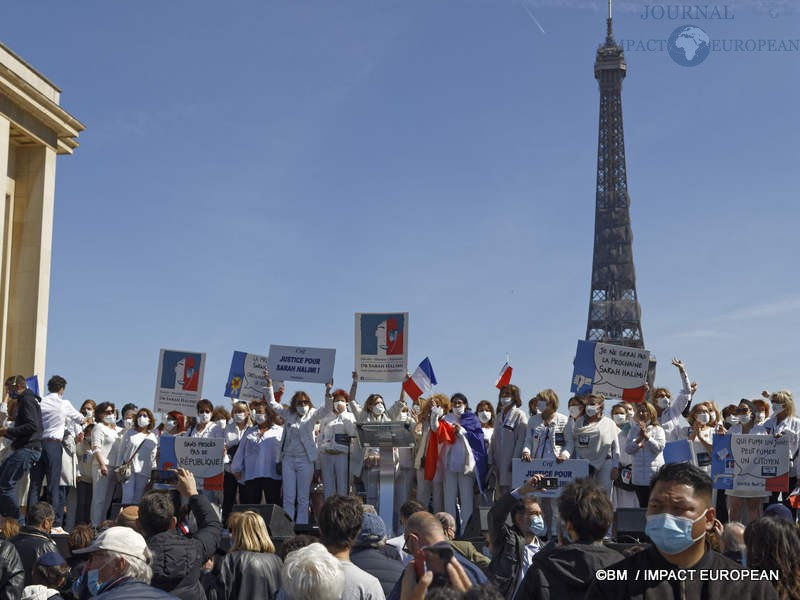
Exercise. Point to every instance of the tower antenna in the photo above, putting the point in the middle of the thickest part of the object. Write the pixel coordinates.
(609, 35)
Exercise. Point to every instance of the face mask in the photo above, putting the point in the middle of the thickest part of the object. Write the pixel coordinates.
(302, 409)
(171, 424)
(485, 416)
(505, 400)
(127, 423)
(204, 417)
(403, 417)
(88, 413)
(663, 402)
(109, 419)
(704, 418)
(339, 406)
(592, 410)
(671, 534)
(541, 405)
(536, 525)
(239, 417)
(733, 419)
(143, 421)
(222, 423)
(458, 410)
(620, 419)
(631, 414)
(261, 418)
(378, 410)
(776, 408)
(744, 419)
(762, 416)
(574, 411)
(93, 584)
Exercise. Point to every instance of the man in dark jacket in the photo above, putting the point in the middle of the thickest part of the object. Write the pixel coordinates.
(566, 569)
(177, 558)
(680, 564)
(12, 574)
(26, 441)
(513, 547)
(371, 554)
(34, 539)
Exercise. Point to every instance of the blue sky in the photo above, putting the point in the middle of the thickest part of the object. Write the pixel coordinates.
(256, 172)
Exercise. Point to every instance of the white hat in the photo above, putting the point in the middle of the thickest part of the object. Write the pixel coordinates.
(122, 540)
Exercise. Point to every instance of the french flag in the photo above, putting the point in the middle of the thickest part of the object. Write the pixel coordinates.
(422, 381)
(504, 377)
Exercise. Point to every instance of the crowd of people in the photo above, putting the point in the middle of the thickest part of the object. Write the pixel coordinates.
(186, 543)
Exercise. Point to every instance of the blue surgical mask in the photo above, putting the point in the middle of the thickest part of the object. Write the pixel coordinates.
(671, 534)
(536, 525)
(93, 582)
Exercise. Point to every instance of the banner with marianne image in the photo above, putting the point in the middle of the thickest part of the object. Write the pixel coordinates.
(744, 462)
(614, 371)
(247, 380)
(566, 472)
(381, 346)
(179, 380)
(299, 363)
(202, 456)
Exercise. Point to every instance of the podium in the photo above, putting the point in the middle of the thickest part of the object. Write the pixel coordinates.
(386, 436)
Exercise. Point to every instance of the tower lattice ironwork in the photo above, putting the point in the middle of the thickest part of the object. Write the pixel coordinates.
(614, 311)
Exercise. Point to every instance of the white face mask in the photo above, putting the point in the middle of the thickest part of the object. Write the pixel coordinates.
(541, 405)
(222, 423)
(704, 418)
(631, 414)
(762, 416)
(261, 418)
(171, 424)
(777, 407)
(239, 417)
(485, 416)
(302, 409)
(592, 410)
(204, 418)
(744, 419)
(458, 410)
(663, 402)
(378, 410)
(574, 411)
(620, 419)
(143, 421)
(109, 419)
(88, 413)
(127, 423)
(506, 400)
(734, 419)
(339, 406)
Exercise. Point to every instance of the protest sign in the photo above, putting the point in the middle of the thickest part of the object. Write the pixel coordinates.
(297, 363)
(381, 346)
(179, 380)
(685, 451)
(202, 456)
(566, 472)
(247, 379)
(757, 463)
(614, 371)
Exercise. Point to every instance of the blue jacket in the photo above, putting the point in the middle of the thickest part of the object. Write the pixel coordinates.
(128, 589)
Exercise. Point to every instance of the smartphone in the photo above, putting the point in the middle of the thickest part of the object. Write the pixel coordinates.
(550, 483)
(161, 480)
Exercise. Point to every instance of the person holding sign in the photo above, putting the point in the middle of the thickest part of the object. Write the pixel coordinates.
(701, 431)
(335, 432)
(257, 454)
(783, 422)
(298, 452)
(596, 440)
(645, 445)
(670, 414)
(745, 506)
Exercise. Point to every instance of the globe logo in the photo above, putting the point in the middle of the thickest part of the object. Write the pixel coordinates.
(689, 45)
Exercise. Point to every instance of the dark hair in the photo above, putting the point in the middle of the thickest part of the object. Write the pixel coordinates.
(482, 592)
(39, 513)
(204, 403)
(409, 507)
(340, 521)
(51, 577)
(295, 543)
(774, 544)
(80, 537)
(686, 474)
(18, 381)
(129, 406)
(298, 396)
(156, 511)
(459, 396)
(587, 507)
(100, 409)
(509, 390)
(750, 406)
(149, 414)
(56, 383)
(220, 412)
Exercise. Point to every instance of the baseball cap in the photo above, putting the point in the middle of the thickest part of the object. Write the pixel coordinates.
(50, 559)
(122, 540)
(373, 530)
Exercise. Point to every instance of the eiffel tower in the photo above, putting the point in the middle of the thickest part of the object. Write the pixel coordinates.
(614, 311)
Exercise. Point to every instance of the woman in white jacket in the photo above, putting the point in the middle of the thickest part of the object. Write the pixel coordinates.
(596, 440)
(139, 446)
(645, 445)
(333, 448)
